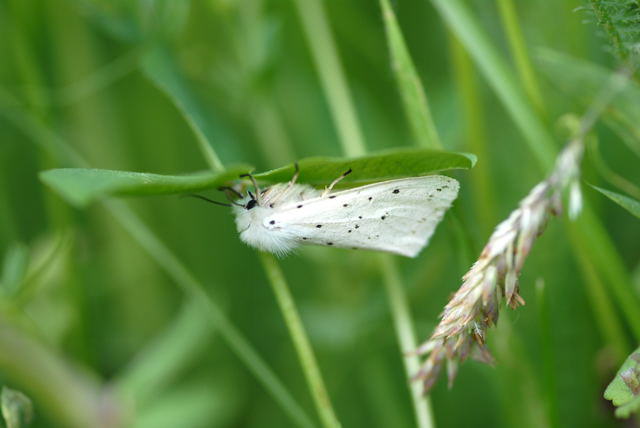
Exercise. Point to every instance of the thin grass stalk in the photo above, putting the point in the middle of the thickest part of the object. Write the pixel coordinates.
(405, 333)
(328, 65)
(300, 340)
(520, 54)
(289, 312)
(499, 76)
(134, 226)
(54, 145)
(410, 87)
(329, 68)
(591, 240)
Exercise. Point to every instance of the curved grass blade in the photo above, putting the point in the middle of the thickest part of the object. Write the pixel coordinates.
(629, 204)
(81, 186)
(377, 167)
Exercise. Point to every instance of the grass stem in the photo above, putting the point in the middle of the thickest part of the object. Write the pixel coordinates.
(519, 51)
(300, 340)
(334, 82)
(406, 337)
(336, 90)
(53, 144)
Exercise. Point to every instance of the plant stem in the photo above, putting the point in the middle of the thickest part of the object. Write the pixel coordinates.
(53, 144)
(413, 95)
(336, 90)
(300, 340)
(334, 83)
(590, 240)
(406, 336)
(495, 69)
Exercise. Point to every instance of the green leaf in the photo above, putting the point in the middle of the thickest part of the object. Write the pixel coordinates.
(629, 204)
(624, 389)
(320, 171)
(17, 409)
(80, 186)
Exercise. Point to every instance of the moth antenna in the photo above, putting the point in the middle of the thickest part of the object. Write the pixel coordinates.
(231, 189)
(336, 181)
(204, 198)
(255, 185)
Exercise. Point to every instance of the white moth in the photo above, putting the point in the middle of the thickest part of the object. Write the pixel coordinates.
(396, 216)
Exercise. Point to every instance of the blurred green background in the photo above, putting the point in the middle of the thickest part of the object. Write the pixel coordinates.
(79, 291)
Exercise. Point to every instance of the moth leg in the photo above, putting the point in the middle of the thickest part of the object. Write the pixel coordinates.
(293, 180)
(334, 182)
(290, 185)
(296, 174)
(255, 185)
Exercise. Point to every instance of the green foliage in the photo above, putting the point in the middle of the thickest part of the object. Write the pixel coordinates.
(151, 311)
(80, 186)
(319, 171)
(629, 204)
(619, 21)
(624, 389)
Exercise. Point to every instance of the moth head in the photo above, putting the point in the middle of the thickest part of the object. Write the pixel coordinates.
(251, 203)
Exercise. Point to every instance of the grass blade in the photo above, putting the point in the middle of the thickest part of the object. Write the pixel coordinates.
(51, 143)
(520, 54)
(322, 45)
(629, 204)
(329, 67)
(413, 95)
(300, 340)
(500, 78)
(160, 69)
(590, 239)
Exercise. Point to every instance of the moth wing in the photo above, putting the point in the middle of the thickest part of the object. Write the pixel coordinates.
(396, 216)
